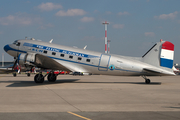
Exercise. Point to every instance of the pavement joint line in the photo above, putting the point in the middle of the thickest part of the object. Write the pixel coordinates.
(64, 99)
(78, 115)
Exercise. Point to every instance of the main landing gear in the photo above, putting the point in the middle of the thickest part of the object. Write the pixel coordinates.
(39, 78)
(52, 77)
(147, 81)
(14, 74)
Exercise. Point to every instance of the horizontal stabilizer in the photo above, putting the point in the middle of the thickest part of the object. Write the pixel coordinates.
(152, 70)
(158, 71)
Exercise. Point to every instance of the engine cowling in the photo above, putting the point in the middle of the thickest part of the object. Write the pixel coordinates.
(27, 59)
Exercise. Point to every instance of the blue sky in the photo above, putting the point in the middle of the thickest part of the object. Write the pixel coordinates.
(135, 25)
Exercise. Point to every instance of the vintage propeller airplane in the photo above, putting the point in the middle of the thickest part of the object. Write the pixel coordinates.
(158, 61)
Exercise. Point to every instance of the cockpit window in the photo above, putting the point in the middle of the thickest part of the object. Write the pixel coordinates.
(16, 43)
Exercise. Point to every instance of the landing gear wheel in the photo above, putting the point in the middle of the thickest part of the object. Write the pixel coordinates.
(28, 74)
(14, 74)
(52, 77)
(148, 81)
(38, 78)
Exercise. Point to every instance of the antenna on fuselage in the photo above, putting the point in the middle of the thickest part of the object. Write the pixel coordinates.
(51, 41)
(85, 47)
(32, 39)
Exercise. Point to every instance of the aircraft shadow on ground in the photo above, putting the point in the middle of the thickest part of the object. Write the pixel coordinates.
(11, 76)
(32, 83)
(174, 107)
(74, 81)
(143, 83)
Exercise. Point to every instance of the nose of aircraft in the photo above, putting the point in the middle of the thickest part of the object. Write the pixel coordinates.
(6, 48)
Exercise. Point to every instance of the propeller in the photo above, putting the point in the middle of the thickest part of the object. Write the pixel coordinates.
(15, 62)
(16, 58)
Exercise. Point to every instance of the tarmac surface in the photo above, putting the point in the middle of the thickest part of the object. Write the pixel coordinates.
(96, 97)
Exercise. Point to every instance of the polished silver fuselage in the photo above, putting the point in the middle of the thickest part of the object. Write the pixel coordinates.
(81, 60)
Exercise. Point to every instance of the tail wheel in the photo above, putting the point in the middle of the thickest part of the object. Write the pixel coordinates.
(52, 77)
(148, 81)
(38, 78)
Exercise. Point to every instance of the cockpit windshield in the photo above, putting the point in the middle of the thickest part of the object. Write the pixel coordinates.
(16, 43)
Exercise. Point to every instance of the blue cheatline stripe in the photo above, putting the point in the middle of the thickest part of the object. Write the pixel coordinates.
(9, 48)
(166, 63)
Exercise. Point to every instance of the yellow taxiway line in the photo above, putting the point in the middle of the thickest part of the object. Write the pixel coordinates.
(79, 116)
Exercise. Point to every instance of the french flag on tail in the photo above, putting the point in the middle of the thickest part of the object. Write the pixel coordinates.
(167, 55)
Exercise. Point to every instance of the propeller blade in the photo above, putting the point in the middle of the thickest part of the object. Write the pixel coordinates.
(15, 64)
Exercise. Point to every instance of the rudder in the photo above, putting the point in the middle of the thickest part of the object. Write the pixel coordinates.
(167, 54)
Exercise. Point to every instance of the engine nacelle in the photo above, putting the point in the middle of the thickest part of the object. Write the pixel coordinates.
(26, 59)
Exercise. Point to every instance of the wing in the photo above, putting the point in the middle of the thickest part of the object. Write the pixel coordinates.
(45, 62)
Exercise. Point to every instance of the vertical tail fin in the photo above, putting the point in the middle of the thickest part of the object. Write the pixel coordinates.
(161, 54)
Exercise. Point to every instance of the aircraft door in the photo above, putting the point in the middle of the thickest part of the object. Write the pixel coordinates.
(104, 62)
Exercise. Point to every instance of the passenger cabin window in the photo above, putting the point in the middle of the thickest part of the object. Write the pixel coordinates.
(53, 53)
(79, 58)
(62, 55)
(88, 60)
(71, 57)
(45, 51)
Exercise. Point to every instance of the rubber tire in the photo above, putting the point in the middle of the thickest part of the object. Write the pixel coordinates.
(28, 74)
(51, 77)
(38, 78)
(148, 81)
(14, 74)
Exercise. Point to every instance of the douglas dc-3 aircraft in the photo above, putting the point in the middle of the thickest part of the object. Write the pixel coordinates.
(158, 61)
